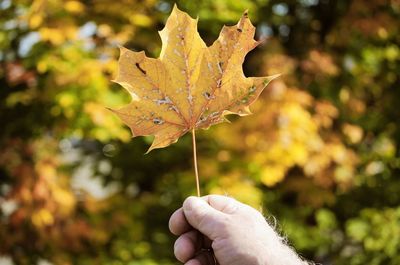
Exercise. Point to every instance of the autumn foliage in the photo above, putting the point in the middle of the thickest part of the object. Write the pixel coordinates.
(320, 152)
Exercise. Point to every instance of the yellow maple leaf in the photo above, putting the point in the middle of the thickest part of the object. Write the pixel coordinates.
(190, 86)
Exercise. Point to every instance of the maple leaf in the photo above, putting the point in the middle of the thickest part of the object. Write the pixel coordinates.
(190, 86)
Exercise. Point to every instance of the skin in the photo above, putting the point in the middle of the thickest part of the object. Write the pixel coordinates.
(217, 229)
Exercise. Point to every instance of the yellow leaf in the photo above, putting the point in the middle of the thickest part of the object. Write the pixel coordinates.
(42, 218)
(42, 66)
(35, 20)
(190, 85)
(354, 133)
(52, 35)
(104, 30)
(141, 20)
(66, 100)
(65, 199)
(74, 7)
(272, 174)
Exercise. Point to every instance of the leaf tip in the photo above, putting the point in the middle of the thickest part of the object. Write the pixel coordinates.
(176, 10)
(122, 50)
(272, 77)
(110, 109)
(268, 79)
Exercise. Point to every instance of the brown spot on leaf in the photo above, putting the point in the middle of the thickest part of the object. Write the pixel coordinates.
(140, 68)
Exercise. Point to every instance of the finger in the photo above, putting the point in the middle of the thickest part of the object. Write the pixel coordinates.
(204, 258)
(178, 223)
(203, 217)
(187, 245)
(223, 204)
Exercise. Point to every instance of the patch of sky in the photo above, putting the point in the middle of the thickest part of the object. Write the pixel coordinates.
(10, 24)
(264, 31)
(27, 43)
(309, 2)
(4, 4)
(87, 30)
(84, 179)
(280, 9)
(163, 7)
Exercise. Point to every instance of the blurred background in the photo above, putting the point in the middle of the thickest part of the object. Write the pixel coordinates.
(321, 152)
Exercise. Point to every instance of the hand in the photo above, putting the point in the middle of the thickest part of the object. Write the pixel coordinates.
(216, 229)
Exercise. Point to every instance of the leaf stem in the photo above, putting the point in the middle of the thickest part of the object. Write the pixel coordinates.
(196, 172)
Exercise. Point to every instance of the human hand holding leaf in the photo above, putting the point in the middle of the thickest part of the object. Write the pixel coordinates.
(190, 86)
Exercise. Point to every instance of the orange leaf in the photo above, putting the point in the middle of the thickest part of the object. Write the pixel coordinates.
(190, 86)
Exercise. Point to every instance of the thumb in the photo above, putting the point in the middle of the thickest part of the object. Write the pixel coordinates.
(203, 217)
